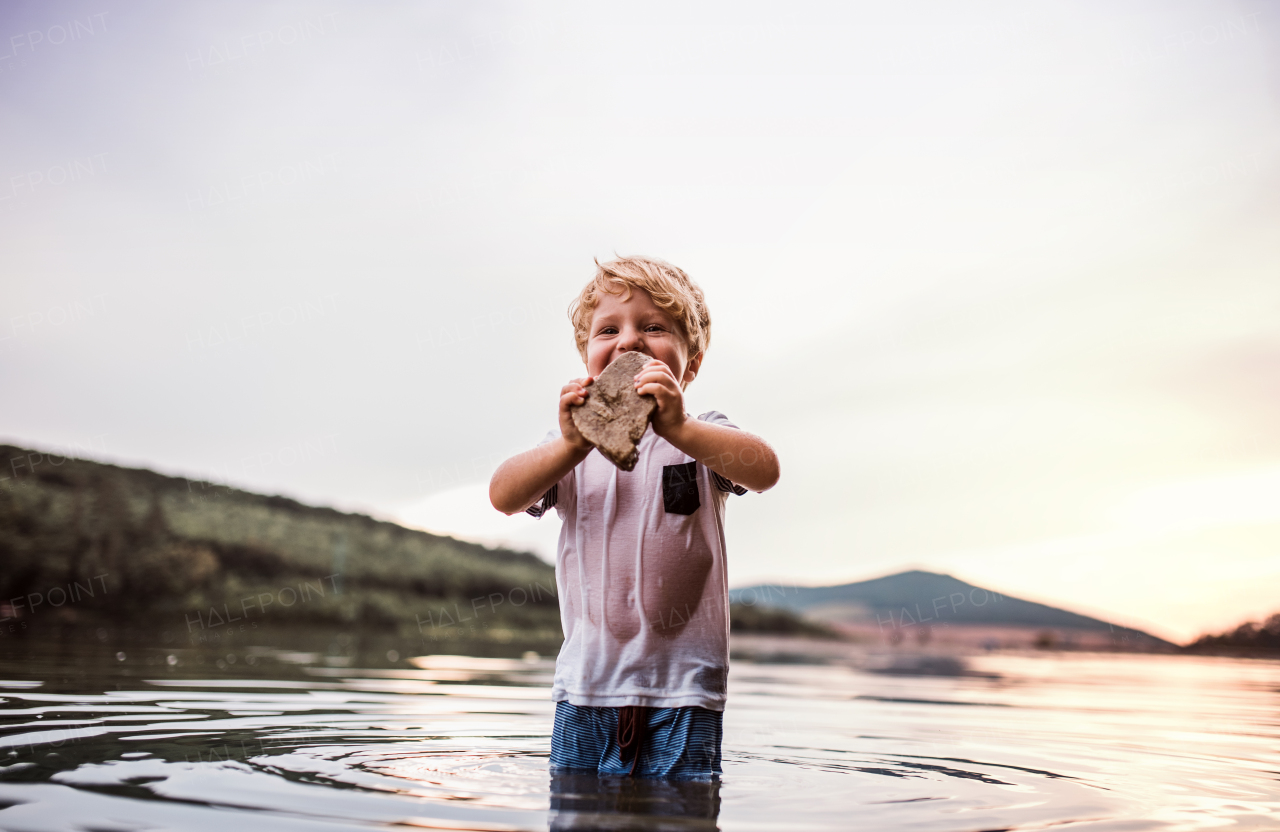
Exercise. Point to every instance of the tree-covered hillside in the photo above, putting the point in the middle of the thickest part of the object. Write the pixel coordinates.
(82, 539)
(1249, 636)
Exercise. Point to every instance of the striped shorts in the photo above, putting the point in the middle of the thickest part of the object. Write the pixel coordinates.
(676, 743)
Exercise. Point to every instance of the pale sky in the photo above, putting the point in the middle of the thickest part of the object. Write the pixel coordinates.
(1000, 282)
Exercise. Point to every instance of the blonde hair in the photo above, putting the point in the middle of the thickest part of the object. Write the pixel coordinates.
(670, 288)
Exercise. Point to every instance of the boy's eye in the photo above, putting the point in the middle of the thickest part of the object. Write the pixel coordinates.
(613, 330)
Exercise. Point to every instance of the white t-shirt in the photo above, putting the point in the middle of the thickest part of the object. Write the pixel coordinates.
(640, 571)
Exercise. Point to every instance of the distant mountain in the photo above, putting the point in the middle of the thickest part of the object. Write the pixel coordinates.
(83, 540)
(913, 598)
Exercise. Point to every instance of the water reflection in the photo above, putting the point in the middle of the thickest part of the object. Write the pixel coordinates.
(294, 741)
(586, 801)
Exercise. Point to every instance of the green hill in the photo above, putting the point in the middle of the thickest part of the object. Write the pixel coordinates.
(82, 540)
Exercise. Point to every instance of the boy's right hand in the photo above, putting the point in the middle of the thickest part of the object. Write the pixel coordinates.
(573, 393)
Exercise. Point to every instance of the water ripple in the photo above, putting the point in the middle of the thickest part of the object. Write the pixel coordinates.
(462, 743)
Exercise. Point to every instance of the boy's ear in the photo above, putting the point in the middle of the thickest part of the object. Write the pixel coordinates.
(691, 368)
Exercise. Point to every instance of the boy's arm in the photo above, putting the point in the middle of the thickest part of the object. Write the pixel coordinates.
(522, 480)
(740, 456)
(735, 454)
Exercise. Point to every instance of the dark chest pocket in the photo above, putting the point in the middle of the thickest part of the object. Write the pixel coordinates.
(680, 488)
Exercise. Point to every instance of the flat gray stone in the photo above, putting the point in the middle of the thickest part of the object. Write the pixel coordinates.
(614, 416)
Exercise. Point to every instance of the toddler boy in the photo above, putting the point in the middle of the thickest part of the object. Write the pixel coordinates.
(640, 569)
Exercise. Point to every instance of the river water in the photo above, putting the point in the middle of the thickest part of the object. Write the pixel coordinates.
(95, 736)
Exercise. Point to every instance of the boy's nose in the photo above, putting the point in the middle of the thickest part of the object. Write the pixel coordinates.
(631, 342)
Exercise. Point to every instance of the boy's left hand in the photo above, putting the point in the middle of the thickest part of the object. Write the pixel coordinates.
(657, 380)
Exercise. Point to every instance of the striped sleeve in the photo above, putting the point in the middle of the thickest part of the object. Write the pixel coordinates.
(548, 501)
(721, 483)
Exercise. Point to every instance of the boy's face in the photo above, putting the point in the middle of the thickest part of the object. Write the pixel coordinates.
(637, 325)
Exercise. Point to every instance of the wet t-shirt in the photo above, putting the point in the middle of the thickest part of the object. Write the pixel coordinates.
(640, 571)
